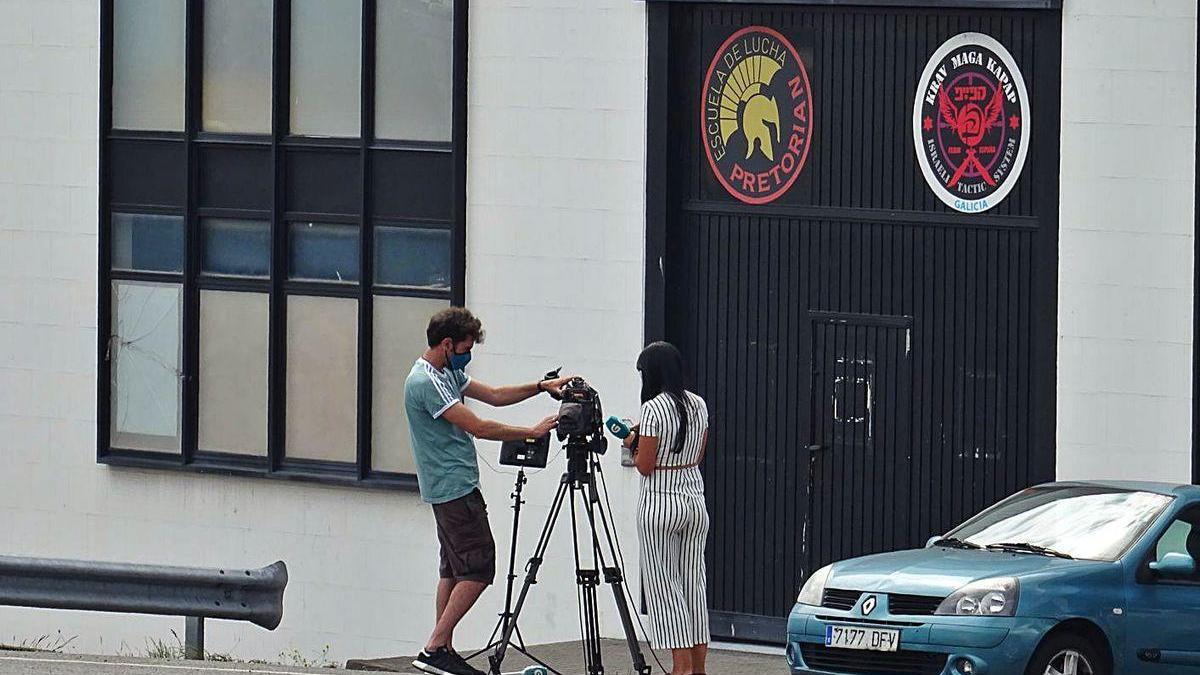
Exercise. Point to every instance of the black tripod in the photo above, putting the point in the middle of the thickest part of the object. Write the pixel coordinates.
(579, 486)
(507, 617)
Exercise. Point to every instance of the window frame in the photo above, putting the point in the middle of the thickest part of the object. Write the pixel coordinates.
(281, 146)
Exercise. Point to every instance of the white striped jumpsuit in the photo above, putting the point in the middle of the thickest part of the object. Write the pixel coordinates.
(673, 526)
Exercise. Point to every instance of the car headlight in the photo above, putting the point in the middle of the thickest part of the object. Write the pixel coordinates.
(813, 590)
(987, 597)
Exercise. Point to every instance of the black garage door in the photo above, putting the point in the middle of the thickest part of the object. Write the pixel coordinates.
(879, 360)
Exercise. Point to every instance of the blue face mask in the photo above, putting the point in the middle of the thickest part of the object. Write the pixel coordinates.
(459, 361)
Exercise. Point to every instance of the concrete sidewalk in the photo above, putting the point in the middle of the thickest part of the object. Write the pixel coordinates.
(567, 658)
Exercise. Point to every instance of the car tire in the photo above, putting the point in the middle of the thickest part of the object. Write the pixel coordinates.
(1068, 654)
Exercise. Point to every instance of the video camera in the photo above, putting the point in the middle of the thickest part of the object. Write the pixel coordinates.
(580, 424)
(580, 417)
(580, 412)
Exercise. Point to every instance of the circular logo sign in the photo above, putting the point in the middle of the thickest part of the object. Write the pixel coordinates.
(971, 122)
(756, 115)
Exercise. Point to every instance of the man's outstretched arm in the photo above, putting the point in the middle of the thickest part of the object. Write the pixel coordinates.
(462, 417)
(515, 393)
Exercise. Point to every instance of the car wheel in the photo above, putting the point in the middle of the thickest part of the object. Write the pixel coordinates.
(1068, 654)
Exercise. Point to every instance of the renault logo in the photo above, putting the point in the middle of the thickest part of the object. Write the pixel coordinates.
(868, 605)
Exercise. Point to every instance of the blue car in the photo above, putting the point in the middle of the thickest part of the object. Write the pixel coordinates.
(1086, 578)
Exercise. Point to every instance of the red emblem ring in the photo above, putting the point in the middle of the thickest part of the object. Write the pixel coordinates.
(756, 115)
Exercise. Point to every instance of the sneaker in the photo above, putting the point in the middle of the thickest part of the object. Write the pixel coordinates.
(442, 661)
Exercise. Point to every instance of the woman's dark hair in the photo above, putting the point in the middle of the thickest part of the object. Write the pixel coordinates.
(456, 323)
(661, 366)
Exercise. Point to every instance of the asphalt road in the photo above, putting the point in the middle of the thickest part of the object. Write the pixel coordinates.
(563, 656)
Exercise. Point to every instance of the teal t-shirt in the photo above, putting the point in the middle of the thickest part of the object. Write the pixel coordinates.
(447, 467)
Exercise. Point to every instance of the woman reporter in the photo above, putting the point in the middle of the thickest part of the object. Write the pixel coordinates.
(668, 446)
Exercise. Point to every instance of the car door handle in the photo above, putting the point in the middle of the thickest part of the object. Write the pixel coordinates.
(814, 449)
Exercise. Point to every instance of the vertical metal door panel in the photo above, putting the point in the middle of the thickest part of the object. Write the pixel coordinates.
(947, 425)
(858, 278)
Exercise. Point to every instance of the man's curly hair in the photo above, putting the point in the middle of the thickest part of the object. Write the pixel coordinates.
(456, 323)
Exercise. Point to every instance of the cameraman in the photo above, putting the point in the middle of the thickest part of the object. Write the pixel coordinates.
(442, 431)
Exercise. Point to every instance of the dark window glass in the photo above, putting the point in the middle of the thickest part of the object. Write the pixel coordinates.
(148, 60)
(147, 243)
(147, 359)
(326, 60)
(237, 247)
(415, 69)
(322, 378)
(237, 66)
(324, 252)
(234, 365)
(412, 257)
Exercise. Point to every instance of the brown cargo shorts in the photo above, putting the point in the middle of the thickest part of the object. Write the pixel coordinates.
(468, 550)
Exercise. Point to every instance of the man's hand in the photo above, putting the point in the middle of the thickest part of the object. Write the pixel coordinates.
(545, 426)
(515, 393)
(462, 417)
(554, 387)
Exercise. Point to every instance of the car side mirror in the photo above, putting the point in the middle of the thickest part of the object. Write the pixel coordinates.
(929, 543)
(1174, 566)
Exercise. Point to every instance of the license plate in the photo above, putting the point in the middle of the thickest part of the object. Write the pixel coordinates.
(862, 637)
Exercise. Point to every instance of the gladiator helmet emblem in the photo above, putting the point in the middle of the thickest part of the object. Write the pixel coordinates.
(756, 114)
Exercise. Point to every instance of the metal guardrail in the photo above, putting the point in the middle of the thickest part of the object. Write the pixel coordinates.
(195, 593)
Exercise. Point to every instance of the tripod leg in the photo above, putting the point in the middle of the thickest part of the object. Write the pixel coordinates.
(491, 640)
(520, 647)
(615, 578)
(587, 580)
(506, 614)
(535, 562)
(536, 660)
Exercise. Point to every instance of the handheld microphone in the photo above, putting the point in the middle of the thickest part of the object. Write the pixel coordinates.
(618, 427)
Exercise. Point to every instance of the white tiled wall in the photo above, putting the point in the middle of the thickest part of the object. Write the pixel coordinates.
(1127, 227)
(556, 185)
(555, 195)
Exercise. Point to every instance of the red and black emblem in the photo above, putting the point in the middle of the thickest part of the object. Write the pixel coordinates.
(756, 114)
(971, 122)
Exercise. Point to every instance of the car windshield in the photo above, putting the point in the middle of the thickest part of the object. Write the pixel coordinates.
(1082, 521)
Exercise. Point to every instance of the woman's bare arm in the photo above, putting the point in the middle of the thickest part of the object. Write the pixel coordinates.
(646, 457)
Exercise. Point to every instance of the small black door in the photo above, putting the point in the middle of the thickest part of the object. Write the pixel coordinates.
(860, 459)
